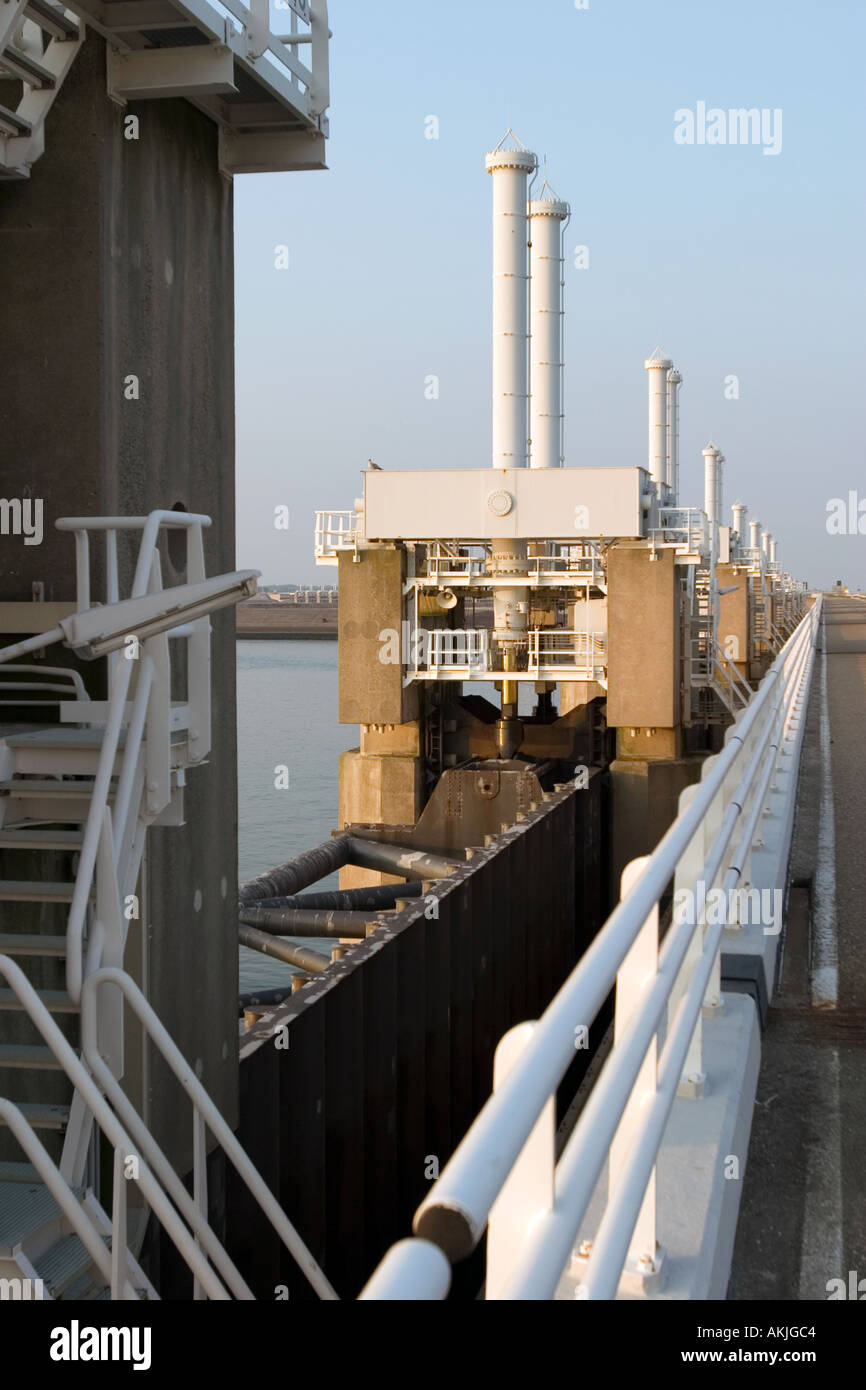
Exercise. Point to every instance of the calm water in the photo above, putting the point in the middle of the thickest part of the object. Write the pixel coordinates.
(287, 715)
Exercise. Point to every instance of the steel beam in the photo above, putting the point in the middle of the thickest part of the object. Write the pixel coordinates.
(207, 70)
(270, 151)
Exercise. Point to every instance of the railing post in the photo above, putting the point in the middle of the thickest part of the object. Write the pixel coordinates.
(118, 1227)
(157, 754)
(108, 916)
(198, 657)
(687, 880)
(633, 978)
(199, 1181)
(528, 1189)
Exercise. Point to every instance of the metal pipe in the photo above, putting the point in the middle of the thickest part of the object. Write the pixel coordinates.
(298, 873)
(755, 535)
(398, 859)
(739, 512)
(282, 921)
(674, 381)
(287, 951)
(510, 169)
(657, 368)
(712, 498)
(263, 996)
(546, 217)
(375, 898)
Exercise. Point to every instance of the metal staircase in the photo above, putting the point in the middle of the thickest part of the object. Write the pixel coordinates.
(712, 673)
(76, 801)
(269, 105)
(39, 41)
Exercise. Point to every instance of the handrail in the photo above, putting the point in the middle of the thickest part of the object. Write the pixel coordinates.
(203, 1106)
(456, 1211)
(109, 1124)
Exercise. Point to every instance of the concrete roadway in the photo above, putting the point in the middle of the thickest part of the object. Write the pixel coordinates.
(803, 1210)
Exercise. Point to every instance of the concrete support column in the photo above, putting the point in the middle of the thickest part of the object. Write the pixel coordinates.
(116, 277)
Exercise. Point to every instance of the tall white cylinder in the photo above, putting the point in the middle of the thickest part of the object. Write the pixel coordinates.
(510, 169)
(657, 368)
(755, 535)
(674, 381)
(765, 542)
(773, 545)
(546, 218)
(739, 512)
(712, 498)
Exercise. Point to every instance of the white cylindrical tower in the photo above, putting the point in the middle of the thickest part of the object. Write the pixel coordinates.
(739, 512)
(658, 367)
(712, 484)
(674, 381)
(510, 170)
(765, 542)
(773, 544)
(755, 535)
(547, 214)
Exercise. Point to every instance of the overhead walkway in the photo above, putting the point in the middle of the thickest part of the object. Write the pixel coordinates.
(803, 1212)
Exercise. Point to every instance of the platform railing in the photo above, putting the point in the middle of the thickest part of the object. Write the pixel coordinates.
(136, 747)
(503, 1177)
(138, 1157)
(335, 531)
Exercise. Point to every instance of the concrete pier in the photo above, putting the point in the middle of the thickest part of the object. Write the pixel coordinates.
(116, 271)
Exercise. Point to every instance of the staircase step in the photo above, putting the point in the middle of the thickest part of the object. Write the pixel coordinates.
(38, 786)
(19, 1172)
(61, 737)
(43, 1116)
(52, 19)
(56, 1001)
(24, 1208)
(14, 124)
(22, 945)
(22, 66)
(41, 839)
(15, 891)
(23, 1055)
(63, 1265)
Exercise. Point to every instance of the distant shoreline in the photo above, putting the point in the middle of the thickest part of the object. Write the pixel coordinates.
(286, 621)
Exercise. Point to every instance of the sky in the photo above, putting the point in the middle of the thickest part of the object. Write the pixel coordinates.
(737, 263)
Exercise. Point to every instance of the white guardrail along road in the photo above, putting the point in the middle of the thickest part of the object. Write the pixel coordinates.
(503, 1177)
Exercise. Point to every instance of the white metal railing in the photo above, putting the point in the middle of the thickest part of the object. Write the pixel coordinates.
(26, 685)
(551, 649)
(183, 1217)
(467, 649)
(683, 526)
(503, 1173)
(335, 531)
(137, 747)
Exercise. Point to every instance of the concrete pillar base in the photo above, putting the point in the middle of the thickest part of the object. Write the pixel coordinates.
(644, 802)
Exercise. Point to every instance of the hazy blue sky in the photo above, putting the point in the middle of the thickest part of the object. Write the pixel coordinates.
(734, 261)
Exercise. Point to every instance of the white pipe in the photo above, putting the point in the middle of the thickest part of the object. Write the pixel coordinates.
(546, 218)
(712, 499)
(773, 545)
(739, 512)
(510, 169)
(674, 381)
(765, 543)
(755, 535)
(658, 367)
